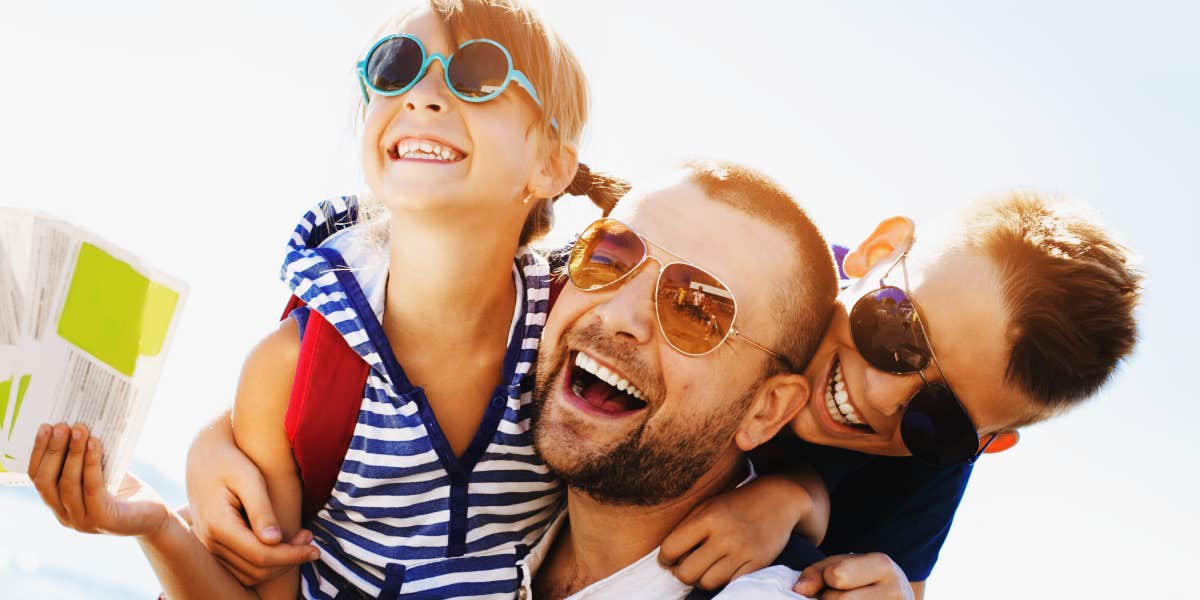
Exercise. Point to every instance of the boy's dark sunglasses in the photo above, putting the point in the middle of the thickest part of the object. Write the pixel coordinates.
(696, 310)
(887, 331)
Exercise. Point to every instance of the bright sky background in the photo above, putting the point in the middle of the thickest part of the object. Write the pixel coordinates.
(195, 134)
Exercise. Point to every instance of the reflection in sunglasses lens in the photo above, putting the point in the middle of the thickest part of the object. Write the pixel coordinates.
(394, 64)
(888, 332)
(478, 70)
(694, 309)
(606, 252)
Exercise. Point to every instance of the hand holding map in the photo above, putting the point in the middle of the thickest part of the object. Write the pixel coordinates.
(83, 332)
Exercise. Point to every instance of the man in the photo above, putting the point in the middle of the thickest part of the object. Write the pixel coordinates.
(633, 470)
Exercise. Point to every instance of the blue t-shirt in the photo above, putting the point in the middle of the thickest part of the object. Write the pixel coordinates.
(899, 506)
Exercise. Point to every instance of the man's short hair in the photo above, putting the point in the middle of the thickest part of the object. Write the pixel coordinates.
(1070, 289)
(804, 299)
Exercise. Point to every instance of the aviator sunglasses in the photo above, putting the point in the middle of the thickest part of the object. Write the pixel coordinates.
(888, 331)
(478, 71)
(695, 309)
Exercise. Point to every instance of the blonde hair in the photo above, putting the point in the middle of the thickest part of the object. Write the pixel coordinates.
(555, 72)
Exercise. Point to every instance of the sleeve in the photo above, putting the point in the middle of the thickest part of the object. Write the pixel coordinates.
(898, 506)
(300, 314)
(772, 582)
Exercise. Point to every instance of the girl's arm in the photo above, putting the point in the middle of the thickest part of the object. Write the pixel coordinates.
(258, 428)
(65, 468)
(231, 512)
(745, 529)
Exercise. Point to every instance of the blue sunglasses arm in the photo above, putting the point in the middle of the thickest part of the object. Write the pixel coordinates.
(358, 74)
(523, 81)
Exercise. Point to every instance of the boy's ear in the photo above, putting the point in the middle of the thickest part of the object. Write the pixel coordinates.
(890, 234)
(1004, 440)
(555, 173)
(774, 405)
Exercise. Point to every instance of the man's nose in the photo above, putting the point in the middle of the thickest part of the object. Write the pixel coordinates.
(430, 93)
(888, 394)
(628, 311)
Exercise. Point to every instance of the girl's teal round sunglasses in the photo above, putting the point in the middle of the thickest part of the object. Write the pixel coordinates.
(477, 71)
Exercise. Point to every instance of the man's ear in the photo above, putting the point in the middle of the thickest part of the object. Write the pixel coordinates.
(777, 400)
(1004, 440)
(555, 172)
(891, 233)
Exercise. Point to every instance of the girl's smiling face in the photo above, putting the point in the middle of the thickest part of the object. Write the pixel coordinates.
(428, 150)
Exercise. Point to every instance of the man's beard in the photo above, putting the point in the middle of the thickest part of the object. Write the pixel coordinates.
(648, 466)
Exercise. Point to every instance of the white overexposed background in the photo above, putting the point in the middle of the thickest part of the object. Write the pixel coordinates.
(194, 134)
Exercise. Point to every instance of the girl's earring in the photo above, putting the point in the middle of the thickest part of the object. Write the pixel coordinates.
(527, 197)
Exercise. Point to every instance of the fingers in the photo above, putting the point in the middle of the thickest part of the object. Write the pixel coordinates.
(70, 481)
(812, 579)
(861, 570)
(49, 466)
(39, 448)
(95, 495)
(682, 540)
(698, 562)
(872, 575)
(268, 562)
(251, 490)
(720, 574)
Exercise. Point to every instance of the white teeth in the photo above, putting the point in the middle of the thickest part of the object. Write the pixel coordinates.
(590, 365)
(837, 399)
(425, 149)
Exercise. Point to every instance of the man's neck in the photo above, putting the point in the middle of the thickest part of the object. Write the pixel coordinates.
(600, 539)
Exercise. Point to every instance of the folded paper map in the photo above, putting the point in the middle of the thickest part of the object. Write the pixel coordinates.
(84, 328)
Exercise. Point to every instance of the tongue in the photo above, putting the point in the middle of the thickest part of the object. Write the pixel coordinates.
(607, 398)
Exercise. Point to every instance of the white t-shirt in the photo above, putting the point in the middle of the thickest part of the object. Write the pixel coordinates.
(646, 578)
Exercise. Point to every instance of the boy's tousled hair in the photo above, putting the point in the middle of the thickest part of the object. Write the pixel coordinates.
(805, 299)
(556, 74)
(1070, 289)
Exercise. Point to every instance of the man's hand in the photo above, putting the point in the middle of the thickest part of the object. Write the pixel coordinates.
(225, 490)
(872, 576)
(65, 469)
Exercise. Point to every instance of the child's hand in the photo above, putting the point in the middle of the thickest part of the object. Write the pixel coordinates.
(734, 533)
(65, 469)
(873, 575)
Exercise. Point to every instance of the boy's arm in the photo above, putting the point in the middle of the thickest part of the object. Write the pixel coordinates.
(258, 429)
(745, 529)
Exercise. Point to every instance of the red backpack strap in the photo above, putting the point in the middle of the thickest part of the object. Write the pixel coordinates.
(557, 283)
(323, 410)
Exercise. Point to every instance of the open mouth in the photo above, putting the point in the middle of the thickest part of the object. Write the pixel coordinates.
(426, 149)
(837, 400)
(602, 390)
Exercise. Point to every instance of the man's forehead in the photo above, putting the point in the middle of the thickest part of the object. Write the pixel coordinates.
(682, 219)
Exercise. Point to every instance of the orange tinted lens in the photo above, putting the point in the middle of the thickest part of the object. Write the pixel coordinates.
(606, 252)
(694, 309)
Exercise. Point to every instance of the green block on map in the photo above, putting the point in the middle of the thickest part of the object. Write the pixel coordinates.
(5, 390)
(22, 385)
(113, 312)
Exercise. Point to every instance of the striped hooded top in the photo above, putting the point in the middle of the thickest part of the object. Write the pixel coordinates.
(407, 518)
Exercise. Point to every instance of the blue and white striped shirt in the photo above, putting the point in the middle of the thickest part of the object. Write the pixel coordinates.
(407, 518)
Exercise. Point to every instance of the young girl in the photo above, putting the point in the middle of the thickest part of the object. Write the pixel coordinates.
(472, 113)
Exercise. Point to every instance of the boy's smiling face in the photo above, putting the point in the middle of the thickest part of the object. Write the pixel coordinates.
(958, 296)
